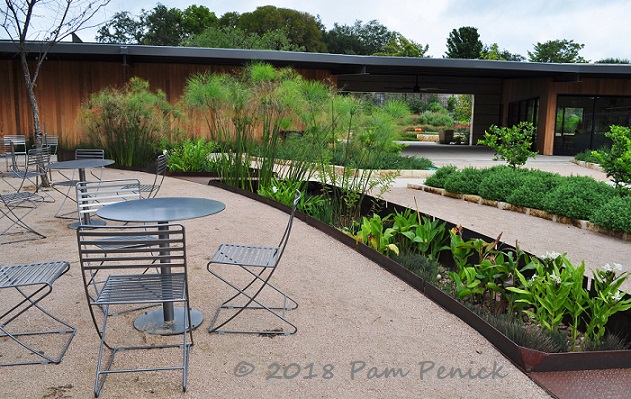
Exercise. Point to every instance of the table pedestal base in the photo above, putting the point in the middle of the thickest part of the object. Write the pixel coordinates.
(153, 322)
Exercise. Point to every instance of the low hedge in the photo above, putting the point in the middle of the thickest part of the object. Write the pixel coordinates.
(576, 197)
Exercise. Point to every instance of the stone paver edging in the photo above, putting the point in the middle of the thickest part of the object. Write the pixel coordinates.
(476, 199)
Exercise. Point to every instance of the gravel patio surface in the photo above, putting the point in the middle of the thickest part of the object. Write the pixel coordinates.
(362, 333)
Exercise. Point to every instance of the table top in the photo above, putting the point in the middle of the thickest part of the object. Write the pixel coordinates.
(160, 210)
(81, 163)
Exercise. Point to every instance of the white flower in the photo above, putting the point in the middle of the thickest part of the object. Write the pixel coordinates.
(534, 277)
(556, 278)
(617, 296)
(607, 268)
(617, 266)
(551, 255)
(165, 152)
(274, 189)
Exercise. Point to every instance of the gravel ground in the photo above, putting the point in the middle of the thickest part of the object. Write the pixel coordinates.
(362, 333)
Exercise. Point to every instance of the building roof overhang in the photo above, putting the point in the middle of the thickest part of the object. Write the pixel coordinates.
(351, 67)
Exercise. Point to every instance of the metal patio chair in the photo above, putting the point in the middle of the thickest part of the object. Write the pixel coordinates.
(14, 208)
(92, 195)
(126, 285)
(22, 198)
(151, 190)
(33, 282)
(35, 171)
(71, 181)
(19, 147)
(259, 264)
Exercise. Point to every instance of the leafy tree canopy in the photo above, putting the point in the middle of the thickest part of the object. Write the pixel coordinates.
(160, 26)
(562, 51)
(224, 37)
(613, 61)
(195, 19)
(359, 38)
(464, 43)
(303, 28)
(122, 28)
(493, 53)
(399, 46)
(164, 26)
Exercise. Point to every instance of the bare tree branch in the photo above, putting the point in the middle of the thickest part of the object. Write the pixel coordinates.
(39, 25)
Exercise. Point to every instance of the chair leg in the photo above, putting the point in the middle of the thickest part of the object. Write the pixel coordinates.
(251, 298)
(31, 301)
(16, 221)
(104, 368)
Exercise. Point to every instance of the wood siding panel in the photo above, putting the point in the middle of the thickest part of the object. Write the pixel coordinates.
(64, 85)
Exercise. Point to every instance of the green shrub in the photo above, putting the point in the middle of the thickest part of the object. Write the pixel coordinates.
(465, 181)
(511, 144)
(435, 119)
(191, 156)
(535, 186)
(578, 197)
(500, 182)
(614, 215)
(438, 178)
(617, 162)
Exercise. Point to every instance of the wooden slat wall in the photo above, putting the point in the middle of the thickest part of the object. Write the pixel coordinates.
(63, 85)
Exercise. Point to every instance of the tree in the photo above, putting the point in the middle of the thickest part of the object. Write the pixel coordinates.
(464, 43)
(493, 53)
(360, 38)
(613, 61)
(163, 26)
(224, 37)
(399, 46)
(303, 28)
(122, 28)
(48, 22)
(195, 19)
(562, 51)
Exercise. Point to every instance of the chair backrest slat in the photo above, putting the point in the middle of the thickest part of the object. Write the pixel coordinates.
(92, 195)
(89, 153)
(145, 246)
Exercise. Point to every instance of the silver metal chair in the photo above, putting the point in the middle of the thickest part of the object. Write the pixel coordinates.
(19, 146)
(85, 153)
(92, 195)
(151, 190)
(126, 285)
(37, 161)
(22, 198)
(259, 264)
(21, 323)
(14, 207)
(52, 142)
(71, 181)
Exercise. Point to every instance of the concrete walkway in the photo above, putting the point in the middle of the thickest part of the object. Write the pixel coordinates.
(533, 234)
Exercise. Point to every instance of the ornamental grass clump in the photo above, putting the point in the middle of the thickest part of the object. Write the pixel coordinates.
(128, 123)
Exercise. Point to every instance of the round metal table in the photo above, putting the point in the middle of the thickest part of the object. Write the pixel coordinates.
(82, 165)
(169, 319)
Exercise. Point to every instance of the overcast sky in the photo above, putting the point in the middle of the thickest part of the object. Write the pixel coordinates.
(515, 25)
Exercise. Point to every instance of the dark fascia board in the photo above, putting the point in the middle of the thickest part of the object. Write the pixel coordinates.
(338, 64)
